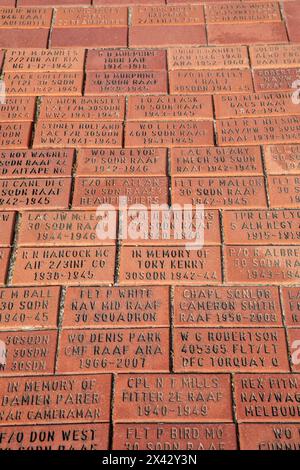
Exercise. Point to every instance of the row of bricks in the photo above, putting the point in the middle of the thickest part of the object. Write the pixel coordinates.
(58, 3)
(150, 108)
(155, 264)
(149, 306)
(148, 349)
(280, 56)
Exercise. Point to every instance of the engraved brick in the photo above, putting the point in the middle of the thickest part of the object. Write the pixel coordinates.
(267, 397)
(4, 262)
(228, 192)
(28, 352)
(89, 37)
(78, 134)
(274, 55)
(60, 228)
(38, 193)
(75, 17)
(282, 159)
(252, 131)
(46, 60)
(237, 12)
(170, 265)
(126, 59)
(216, 161)
(67, 265)
(17, 109)
(122, 162)
(43, 83)
(111, 307)
(91, 192)
(264, 436)
(15, 134)
(20, 38)
(25, 18)
(167, 35)
(246, 33)
(58, 399)
(105, 108)
(291, 305)
(114, 350)
(276, 264)
(294, 344)
(169, 107)
(169, 133)
(275, 79)
(221, 306)
(230, 349)
(261, 227)
(284, 191)
(210, 81)
(62, 437)
(127, 82)
(29, 307)
(205, 398)
(155, 15)
(41, 163)
(199, 58)
(7, 222)
(187, 437)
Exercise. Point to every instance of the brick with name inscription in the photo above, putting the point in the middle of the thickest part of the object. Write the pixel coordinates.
(114, 350)
(275, 79)
(274, 55)
(40, 163)
(122, 162)
(43, 83)
(38, 193)
(111, 307)
(126, 59)
(25, 18)
(256, 104)
(17, 109)
(4, 263)
(216, 161)
(29, 307)
(199, 58)
(46, 60)
(210, 81)
(282, 159)
(28, 352)
(67, 265)
(230, 349)
(267, 397)
(264, 436)
(170, 265)
(187, 437)
(127, 82)
(167, 35)
(78, 134)
(60, 437)
(264, 130)
(291, 305)
(7, 224)
(222, 306)
(284, 191)
(173, 398)
(165, 14)
(60, 228)
(261, 227)
(78, 17)
(237, 12)
(227, 192)
(278, 264)
(183, 107)
(294, 344)
(58, 399)
(169, 133)
(105, 108)
(15, 134)
(91, 192)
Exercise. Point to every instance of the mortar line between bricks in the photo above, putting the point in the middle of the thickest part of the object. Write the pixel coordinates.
(112, 410)
(265, 176)
(14, 249)
(60, 318)
(234, 409)
(53, 19)
(172, 329)
(286, 330)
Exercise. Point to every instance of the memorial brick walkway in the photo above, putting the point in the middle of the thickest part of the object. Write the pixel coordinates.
(148, 344)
